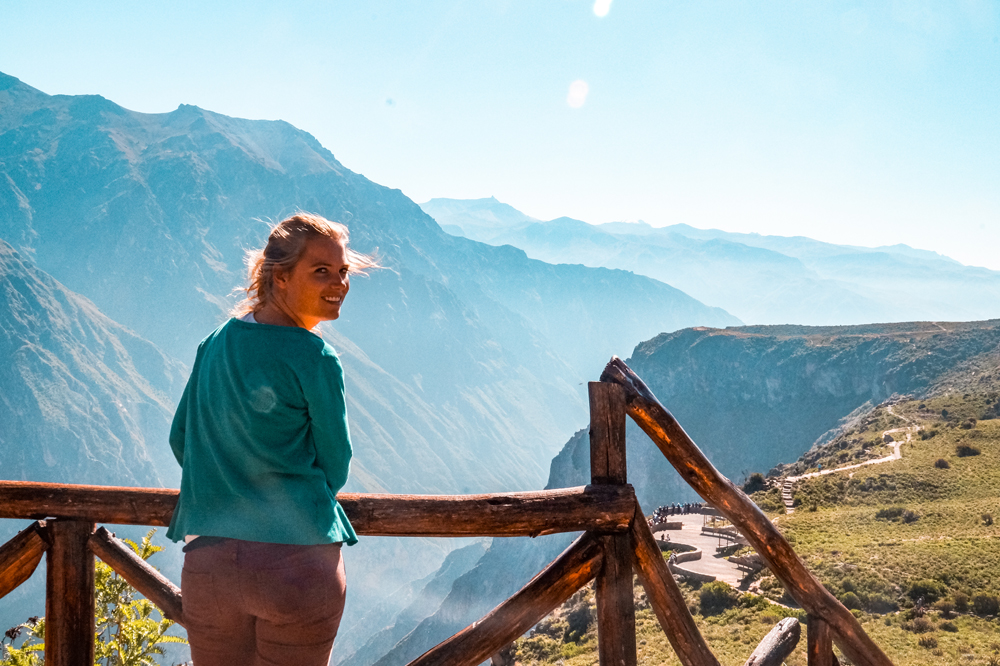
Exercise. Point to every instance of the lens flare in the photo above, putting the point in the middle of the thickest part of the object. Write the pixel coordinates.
(577, 93)
(602, 7)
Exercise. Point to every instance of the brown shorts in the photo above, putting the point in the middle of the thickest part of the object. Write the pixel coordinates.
(262, 604)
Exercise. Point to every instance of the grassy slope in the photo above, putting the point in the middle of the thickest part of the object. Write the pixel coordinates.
(942, 550)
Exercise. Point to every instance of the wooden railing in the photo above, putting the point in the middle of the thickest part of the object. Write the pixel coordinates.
(616, 541)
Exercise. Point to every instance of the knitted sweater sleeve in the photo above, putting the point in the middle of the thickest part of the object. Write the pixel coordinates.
(327, 406)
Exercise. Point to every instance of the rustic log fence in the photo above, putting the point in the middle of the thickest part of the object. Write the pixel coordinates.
(616, 542)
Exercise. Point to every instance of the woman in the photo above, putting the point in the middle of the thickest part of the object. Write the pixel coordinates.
(261, 434)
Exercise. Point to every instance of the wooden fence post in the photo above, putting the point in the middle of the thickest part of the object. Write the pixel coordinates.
(69, 595)
(819, 642)
(615, 606)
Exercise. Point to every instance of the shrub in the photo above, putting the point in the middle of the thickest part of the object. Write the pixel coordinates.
(910, 516)
(946, 608)
(985, 604)
(948, 626)
(961, 602)
(851, 601)
(754, 484)
(716, 597)
(579, 620)
(881, 604)
(891, 513)
(969, 424)
(965, 450)
(929, 590)
(928, 642)
(928, 434)
(920, 625)
(941, 463)
(944, 414)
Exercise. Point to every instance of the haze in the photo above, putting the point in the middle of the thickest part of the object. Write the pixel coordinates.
(862, 123)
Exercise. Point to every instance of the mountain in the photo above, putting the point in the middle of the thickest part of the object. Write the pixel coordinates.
(760, 279)
(82, 400)
(149, 216)
(465, 362)
(750, 397)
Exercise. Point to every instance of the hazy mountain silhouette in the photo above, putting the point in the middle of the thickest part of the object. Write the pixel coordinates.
(761, 279)
(82, 400)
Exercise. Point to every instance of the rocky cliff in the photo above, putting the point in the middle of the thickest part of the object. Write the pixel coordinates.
(750, 397)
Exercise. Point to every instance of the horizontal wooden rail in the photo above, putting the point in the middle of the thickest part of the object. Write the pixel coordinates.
(584, 508)
(138, 573)
(597, 508)
(20, 556)
(720, 492)
(573, 569)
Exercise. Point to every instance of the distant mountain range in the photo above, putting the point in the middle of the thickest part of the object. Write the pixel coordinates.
(760, 279)
(466, 363)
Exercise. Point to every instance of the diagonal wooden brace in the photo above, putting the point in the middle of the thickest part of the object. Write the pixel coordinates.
(138, 573)
(666, 598)
(720, 492)
(20, 556)
(573, 569)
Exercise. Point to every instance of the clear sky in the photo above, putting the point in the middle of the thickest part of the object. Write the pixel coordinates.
(856, 122)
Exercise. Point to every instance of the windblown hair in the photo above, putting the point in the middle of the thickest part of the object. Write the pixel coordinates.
(285, 246)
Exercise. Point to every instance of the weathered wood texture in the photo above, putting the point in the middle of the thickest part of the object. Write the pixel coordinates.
(140, 574)
(573, 569)
(605, 509)
(613, 587)
(20, 556)
(584, 508)
(819, 643)
(607, 434)
(666, 598)
(777, 645)
(719, 491)
(96, 504)
(69, 595)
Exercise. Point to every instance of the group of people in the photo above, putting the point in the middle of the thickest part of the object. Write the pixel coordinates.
(662, 512)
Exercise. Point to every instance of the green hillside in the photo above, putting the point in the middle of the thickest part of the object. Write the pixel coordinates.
(911, 545)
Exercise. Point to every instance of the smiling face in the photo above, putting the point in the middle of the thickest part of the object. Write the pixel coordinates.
(315, 288)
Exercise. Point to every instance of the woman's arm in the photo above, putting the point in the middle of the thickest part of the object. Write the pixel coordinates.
(327, 404)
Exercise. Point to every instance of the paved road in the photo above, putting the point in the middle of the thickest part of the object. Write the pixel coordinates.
(691, 535)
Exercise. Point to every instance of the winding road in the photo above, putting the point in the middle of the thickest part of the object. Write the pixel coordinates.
(786, 488)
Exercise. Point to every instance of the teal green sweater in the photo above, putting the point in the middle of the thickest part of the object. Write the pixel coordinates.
(261, 435)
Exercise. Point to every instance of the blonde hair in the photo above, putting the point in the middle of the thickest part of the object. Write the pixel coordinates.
(285, 246)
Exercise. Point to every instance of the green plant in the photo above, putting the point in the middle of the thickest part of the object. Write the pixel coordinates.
(985, 604)
(966, 450)
(716, 597)
(755, 483)
(32, 647)
(927, 642)
(128, 634)
(941, 463)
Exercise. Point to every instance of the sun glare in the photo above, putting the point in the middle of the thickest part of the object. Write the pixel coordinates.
(577, 93)
(601, 7)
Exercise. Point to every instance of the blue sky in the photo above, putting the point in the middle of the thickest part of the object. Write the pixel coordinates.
(866, 123)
